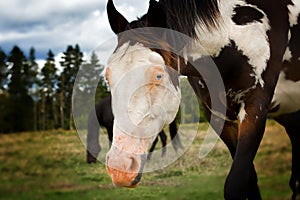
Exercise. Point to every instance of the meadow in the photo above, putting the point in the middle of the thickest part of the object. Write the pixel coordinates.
(52, 165)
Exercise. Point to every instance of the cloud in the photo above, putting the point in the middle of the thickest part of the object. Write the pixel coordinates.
(18, 12)
(54, 24)
(131, 9)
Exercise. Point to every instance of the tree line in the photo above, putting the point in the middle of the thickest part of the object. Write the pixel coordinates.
(34, 98)
(37, 98)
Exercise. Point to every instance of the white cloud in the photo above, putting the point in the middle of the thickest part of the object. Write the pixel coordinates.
(54, 24)
(131, 9)
(35, 10)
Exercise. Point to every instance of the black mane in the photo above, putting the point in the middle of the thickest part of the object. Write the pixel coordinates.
(183, 15)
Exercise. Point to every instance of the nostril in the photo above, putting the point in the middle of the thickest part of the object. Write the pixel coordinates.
(128, 164)
(134, 165)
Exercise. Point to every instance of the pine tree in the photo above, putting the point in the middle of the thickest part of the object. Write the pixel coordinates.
(48, 92)
(4, 127)
(32, 82)
(20, 114)
(89, 84)
(31, 71)
(92, 79)
(71, 62)
(3, 69)
(17, 86)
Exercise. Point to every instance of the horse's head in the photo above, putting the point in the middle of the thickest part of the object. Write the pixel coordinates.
(145, 92)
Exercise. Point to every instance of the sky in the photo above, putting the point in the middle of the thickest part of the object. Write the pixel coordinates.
(55, 24)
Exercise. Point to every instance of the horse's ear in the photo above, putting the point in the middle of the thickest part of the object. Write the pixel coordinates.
(117, 21)
(156, 15)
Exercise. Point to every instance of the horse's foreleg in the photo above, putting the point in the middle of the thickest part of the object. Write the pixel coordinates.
(93, 147)
(292, 127)
(229, 137)
(163, 138)
(242, 179)
(152, 148)
(295, 177)
(176, 143)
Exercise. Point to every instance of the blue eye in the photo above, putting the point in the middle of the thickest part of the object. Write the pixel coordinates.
(159, 76)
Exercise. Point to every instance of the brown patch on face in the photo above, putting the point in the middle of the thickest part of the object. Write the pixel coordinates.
(155, 76)
(107, 75)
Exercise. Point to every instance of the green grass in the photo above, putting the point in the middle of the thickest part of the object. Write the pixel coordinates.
(51, 165)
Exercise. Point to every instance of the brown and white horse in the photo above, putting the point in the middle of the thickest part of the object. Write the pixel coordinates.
(255, 45)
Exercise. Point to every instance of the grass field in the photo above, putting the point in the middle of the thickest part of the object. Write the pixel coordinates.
(51, 165)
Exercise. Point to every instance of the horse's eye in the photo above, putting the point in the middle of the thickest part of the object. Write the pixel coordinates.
(159, 76)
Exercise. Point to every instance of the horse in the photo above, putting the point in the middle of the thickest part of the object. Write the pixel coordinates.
(103, 116)
(255, 47)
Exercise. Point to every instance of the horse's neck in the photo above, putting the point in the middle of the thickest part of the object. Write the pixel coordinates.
(250, 39)
(212, 40)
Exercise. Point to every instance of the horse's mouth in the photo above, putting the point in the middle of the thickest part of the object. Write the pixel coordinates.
(128, 179)
(137, 179)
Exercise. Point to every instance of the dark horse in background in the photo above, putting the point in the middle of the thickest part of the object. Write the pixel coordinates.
(255, 45)
(104, 117)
